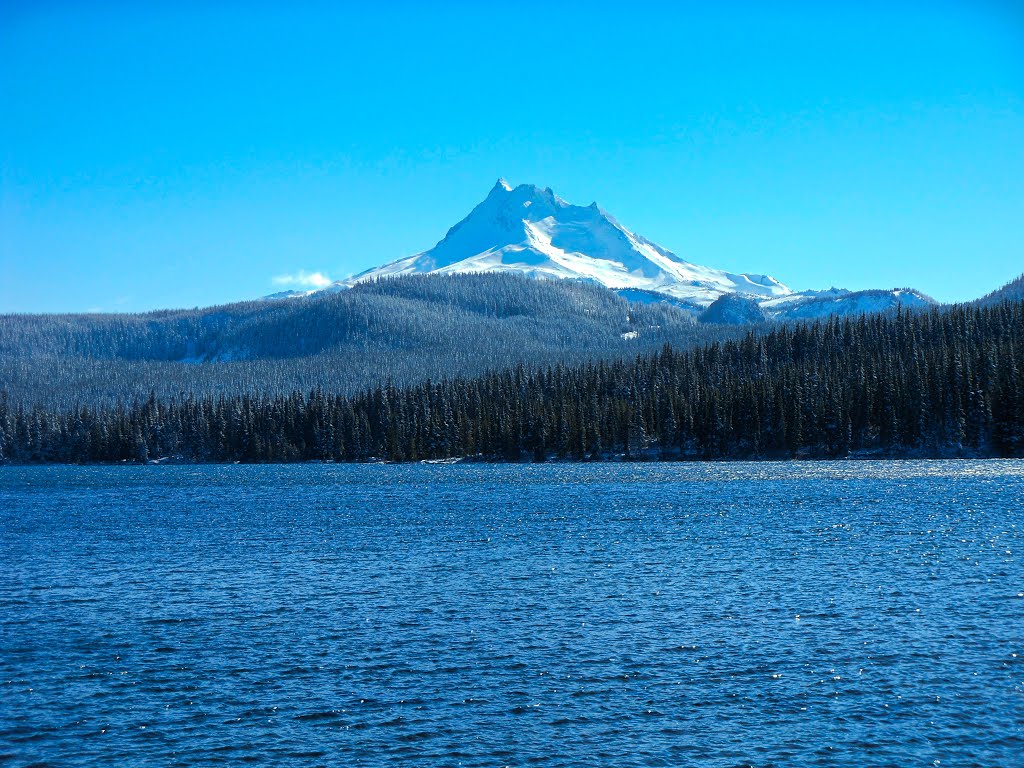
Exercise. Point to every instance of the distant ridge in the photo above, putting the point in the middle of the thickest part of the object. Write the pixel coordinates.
(1013, 290)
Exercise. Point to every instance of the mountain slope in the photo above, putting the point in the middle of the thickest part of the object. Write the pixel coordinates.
(404, 330)
(1012, 291)
(532, 231)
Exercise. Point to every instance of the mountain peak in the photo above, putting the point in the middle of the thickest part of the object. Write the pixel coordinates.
(505, 193)
(530, 230)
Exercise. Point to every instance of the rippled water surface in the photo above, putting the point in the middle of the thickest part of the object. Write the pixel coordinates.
(784, 614)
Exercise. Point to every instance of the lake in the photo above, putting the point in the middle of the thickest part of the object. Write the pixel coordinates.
(785, 614)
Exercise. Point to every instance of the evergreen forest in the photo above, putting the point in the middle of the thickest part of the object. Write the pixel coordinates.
(403, 330)
(943, 382)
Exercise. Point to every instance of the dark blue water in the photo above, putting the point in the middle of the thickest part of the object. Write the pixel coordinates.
(845, 614)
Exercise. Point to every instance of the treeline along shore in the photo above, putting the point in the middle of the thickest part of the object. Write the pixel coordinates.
(945, 382)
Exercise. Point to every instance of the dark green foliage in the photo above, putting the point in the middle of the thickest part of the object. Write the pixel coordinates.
(403, 330)
(1012, 291)
(938, 383)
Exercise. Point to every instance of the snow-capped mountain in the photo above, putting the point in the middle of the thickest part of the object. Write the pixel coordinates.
(534, 232)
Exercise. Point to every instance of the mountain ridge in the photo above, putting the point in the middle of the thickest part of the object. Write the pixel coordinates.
(1011, 291)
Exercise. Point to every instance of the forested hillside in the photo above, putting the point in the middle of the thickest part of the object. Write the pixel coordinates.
(404, 330)
(939, 383)
(1012, 291)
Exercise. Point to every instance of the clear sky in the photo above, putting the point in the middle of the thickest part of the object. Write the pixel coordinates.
(182, 154)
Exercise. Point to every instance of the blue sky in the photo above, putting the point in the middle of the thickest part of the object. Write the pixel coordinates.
(186, 154)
